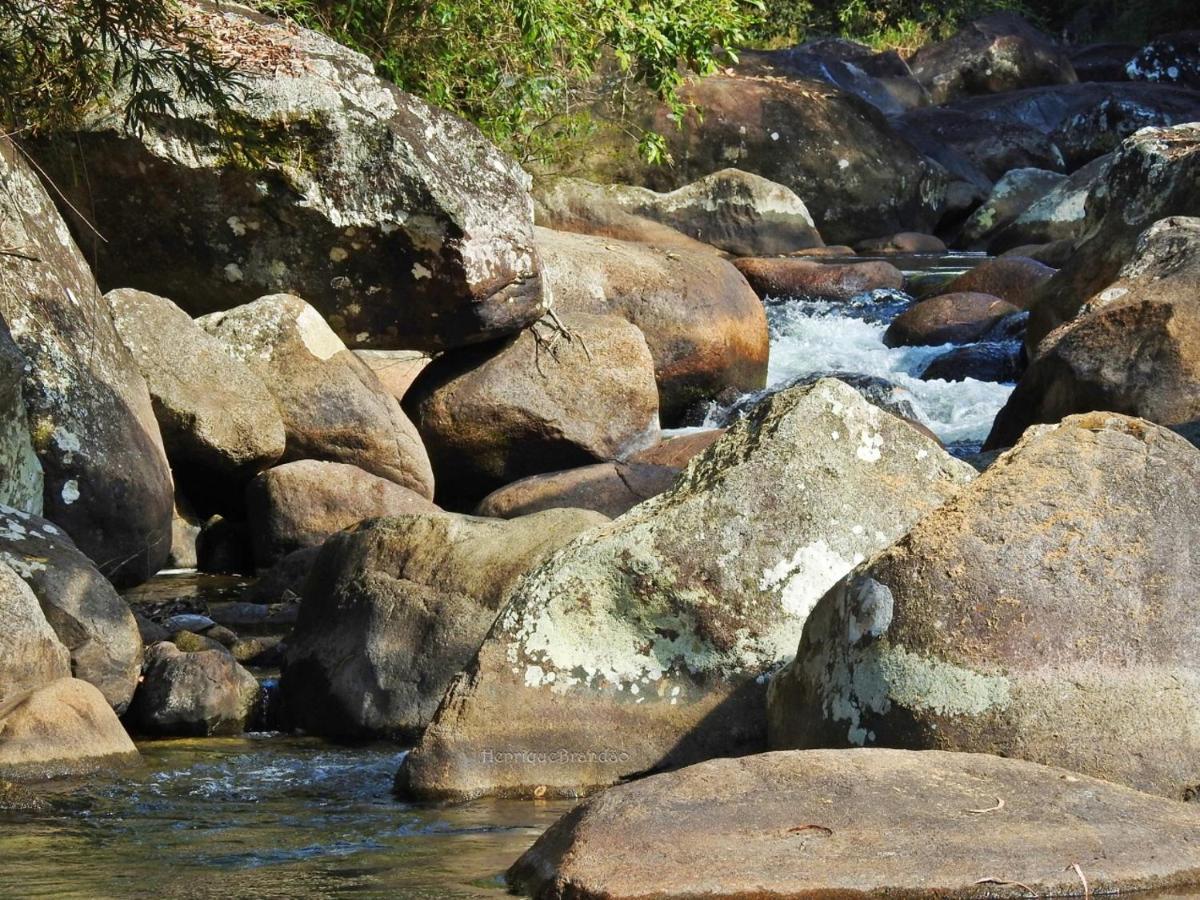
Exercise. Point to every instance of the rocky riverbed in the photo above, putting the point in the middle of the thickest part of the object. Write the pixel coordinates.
(819, 511)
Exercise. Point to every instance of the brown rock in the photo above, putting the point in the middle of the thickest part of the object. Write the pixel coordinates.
(202, 692)
(677, 451)
(706, 329)
(878, 823)
(1011, 278)
(302, 503)
(1154, 174)
(796, 277)
(334, 407)
(395, 369)
(1065, 573)
(1134, 348)
(609, 488)
(31, 654)
(959, 318)
(62, 728)
(543, 402)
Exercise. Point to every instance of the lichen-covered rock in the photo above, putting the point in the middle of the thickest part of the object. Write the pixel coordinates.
(31, 655)
(333, 406)
(1044, 613)
(107, 482)
(395, 608)
(734, 211)
(830, 147)
(300, 504)
(1059, 215)
(402, 224)
(1168, 59)
(780, 277)
(1154, 174)
(997, 53)
(88, 616)
(548, 400)
(854, 823)
(1014, 279)
(882, 79)
(20, 471)
(705, 327)
(215, 413)
(644, 644)
(198, 693)
(1015, 192)
(61, 728)
(957, 318)
(611, 488)
(1134, 348)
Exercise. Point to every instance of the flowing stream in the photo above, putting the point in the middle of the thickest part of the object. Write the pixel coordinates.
(277, 816)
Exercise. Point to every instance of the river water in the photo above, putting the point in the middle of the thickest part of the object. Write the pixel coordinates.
(281, 816)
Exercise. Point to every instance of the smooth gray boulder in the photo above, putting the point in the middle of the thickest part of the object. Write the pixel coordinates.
(1045, 613)
(396, 607)
(645, 643)
(193, 693)
(215, 413)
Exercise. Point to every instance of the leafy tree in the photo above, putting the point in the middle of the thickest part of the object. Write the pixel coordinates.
(57, 57)
(526, 71)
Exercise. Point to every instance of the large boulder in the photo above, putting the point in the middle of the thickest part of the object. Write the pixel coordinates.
(645, 643)
(1154, 174)
(734, 211)
(562, 394)
(1045, 614)
(197, 693)
(782, 277)
(395, 608)
(20, 471)
(1014, 279)
(1134, 348)
(1059, 215)
(958, 318)
(705, 327)
(88, 616)
(215, 413)
(31, 655)
(830, 147)
(402, 224)
(878, 823)
(333, 406)
(300, 504)
(882, 79)
(61, 728)
(997, 53)
(107, 482)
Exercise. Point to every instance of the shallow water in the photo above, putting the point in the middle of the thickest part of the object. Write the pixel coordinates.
(261, 816)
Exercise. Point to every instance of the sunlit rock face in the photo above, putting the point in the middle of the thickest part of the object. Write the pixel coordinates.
(400, 223)
(646, 643)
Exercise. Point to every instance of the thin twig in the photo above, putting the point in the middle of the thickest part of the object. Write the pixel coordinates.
(1087, 891)
(999, 805)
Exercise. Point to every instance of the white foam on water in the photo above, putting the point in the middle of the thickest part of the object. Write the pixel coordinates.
(810, 337)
